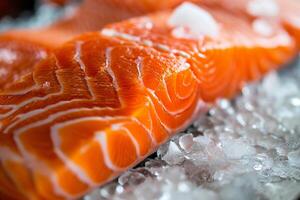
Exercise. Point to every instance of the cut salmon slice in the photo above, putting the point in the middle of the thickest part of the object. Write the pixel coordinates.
(285, 11)
(106, 100)
(21, 49)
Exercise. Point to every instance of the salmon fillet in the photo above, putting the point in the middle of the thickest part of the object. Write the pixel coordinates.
(285, 11)
(94, 14)
(104, 101)
(28, 46)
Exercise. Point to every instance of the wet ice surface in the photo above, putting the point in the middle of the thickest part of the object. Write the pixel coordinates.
(247, 148)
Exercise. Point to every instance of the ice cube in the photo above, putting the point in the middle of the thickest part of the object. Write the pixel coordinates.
(186, 142)
(236, 149)
(174, 155)
(131, 178)
(294, 158)
(195, 19)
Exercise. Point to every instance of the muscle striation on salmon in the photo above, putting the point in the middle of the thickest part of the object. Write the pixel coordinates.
(32, 45)
(104, 101)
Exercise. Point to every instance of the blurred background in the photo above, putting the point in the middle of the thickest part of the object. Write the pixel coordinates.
(15, 8)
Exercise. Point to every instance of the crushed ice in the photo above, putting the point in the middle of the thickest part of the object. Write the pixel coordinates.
(191, 21)
(247, 148)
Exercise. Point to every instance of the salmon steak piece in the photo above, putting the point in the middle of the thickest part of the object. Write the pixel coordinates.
(101, 103)
(22, 48)
(284, 11)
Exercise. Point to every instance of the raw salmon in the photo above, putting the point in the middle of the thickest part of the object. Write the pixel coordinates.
(285, 11)
(105, 100)
(21, 49)
(57, 2)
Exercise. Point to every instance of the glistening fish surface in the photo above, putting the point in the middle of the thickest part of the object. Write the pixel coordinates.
(247, 148)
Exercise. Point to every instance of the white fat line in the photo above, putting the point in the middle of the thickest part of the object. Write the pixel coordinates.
(111, 73)
(183, 67)
(32, 113)
(76, 169)
(200, 55)
(188, 95)
(100, 137)
(218, 82)
(113, 33)
(133, 119)
(153, 142)
(80, 174)
(120, 126)
(33, 163)
(19, 92)
(181, 53)
(194, 75)
(172, 113)
(16, 107)
(151, 121)
(55, 129)
(6, 108)
(24, 116)
(67, 161)
(163, 47)
(168, 129)
(31, 100)
(148, 43)
(35, 99)
(77, 58)
(166, 90)
(200, 107)
(184, 82)
(149, 131)
(8, 154)
(58, 190)
(139, 67)
(60, 114)
(166, 48)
